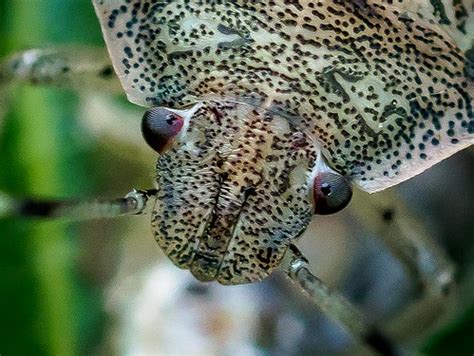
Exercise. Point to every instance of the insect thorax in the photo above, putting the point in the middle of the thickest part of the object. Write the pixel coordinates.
(382, 86)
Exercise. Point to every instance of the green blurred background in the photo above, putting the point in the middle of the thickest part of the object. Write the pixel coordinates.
(47, 307)
(53, 275)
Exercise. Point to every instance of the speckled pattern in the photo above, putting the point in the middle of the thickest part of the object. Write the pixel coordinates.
(384, 89)
(228, 207)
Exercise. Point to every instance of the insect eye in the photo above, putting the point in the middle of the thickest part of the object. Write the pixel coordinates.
(159, 128)
(332, 192)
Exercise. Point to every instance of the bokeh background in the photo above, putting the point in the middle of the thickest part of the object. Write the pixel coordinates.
(104, 287)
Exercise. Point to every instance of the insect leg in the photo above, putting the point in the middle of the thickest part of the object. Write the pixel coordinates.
(334, 305)
(136, 202)
(386, 216)
(75, 67)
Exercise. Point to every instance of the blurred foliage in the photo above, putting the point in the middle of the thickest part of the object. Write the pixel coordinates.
(45, 306)
(455, 339)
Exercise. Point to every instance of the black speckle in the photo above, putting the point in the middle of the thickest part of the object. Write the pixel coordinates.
(106, 72)
(197, 289)
(388, 215)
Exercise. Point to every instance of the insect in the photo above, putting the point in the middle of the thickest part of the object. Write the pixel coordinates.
(264, 113)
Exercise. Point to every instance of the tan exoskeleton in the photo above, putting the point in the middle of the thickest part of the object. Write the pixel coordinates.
(263, 113)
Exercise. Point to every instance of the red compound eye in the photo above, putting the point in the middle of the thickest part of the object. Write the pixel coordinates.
(159, 128)
(332, 192)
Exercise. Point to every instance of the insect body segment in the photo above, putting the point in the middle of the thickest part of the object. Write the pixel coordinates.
(234, 194)
(382, 86)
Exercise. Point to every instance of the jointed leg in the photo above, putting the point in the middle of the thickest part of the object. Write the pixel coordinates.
(88, 71)
(136, 202)
(334, 305)
(80, 68)
(76, 67)
(386, 216)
